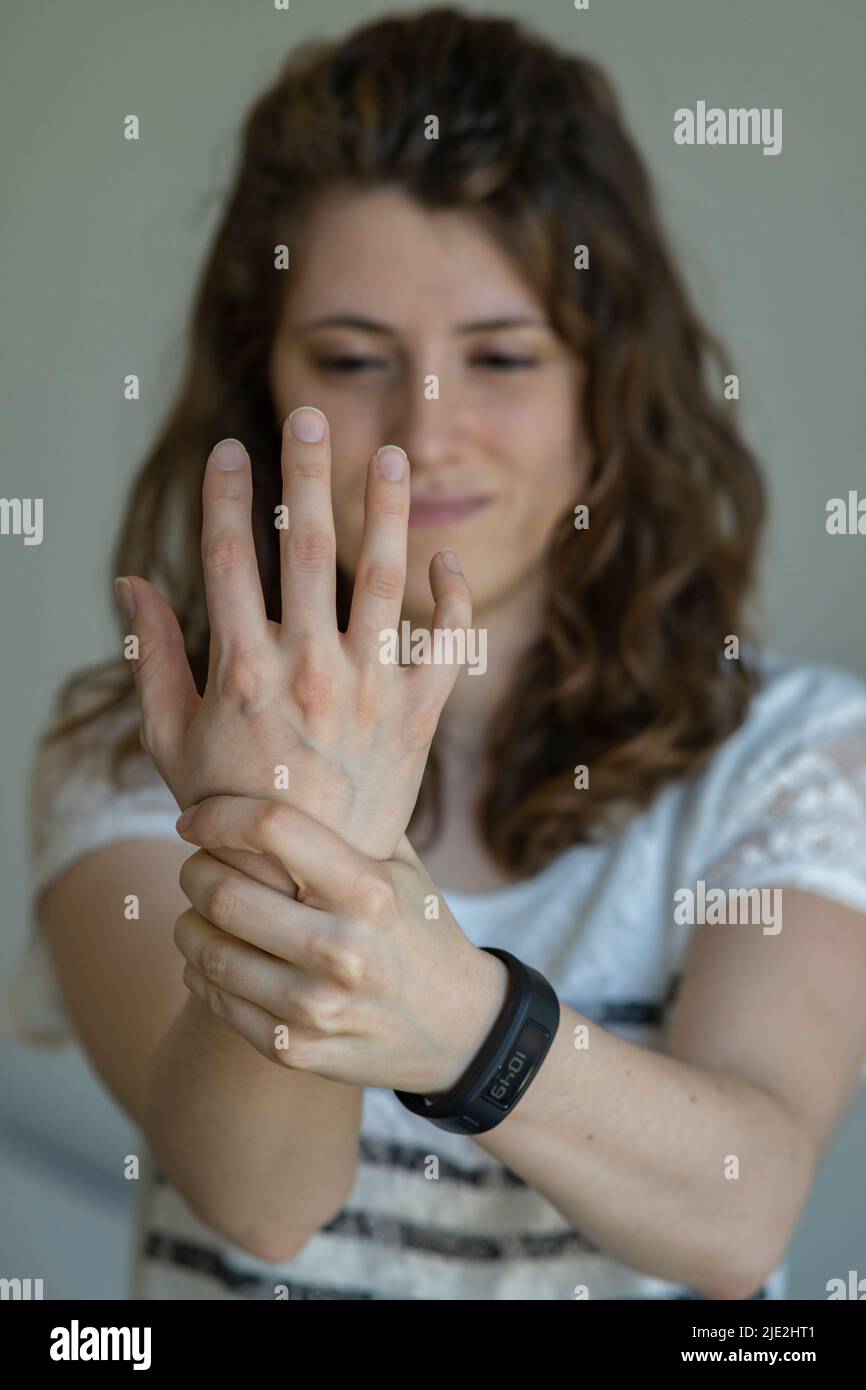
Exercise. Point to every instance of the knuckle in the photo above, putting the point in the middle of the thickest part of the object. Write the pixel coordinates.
(276, 820)
(320, 1009)
(377, 898)
(214, 962)
(311, 687)
(226, 486)
(225, 553)
(392, 501)
(181, 928)
(147, 735)
(343, 963)
(148, 657)
(384, 580)
(217, 1002)
(208, 818)
(189, 872)
(455, 613)
(303, 1011)
(221, 901)
(309, 462)
(243, 678)
(310, 550)
(298, 1053)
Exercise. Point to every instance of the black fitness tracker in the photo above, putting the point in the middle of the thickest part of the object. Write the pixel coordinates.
(509, 1058)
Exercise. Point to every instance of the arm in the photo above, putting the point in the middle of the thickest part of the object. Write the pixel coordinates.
(762, 1055)
(635, 1147)
(267, 1156)
(244, 1141)
(241, 1140)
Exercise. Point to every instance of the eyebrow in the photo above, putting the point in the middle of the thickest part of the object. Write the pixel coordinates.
(371, 326)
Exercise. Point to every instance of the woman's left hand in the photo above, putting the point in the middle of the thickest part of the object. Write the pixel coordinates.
(366, 978)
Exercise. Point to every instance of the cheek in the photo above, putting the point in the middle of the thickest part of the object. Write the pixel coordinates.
(545, 455)
(553, 482)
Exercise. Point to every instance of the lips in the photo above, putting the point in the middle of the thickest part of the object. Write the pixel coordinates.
(443, 511)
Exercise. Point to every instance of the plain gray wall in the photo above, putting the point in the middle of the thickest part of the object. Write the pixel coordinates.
(101, 240)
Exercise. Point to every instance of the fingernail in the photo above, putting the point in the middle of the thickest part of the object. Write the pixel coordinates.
(391, 462)
(125, 597)
(307, 424)
(450, 561)
(185, 819)
(229, 453)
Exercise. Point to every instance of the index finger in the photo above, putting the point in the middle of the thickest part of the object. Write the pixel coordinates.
(328, 872)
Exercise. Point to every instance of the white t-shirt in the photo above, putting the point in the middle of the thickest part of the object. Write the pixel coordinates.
(781, 803)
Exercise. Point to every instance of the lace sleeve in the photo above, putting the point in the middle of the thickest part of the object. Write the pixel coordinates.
(803, 824)
(75, 808)
(791, 810)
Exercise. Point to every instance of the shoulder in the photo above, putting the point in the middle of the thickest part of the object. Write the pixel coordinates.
(802, 715)
(796, 696)
(81, 798)
(783, 801)
(78, 764)
(77, 808)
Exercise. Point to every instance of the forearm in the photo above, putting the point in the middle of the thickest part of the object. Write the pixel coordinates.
(637, 1149)
(263, 1154)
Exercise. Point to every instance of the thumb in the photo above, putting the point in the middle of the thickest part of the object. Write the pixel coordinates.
(163, 680)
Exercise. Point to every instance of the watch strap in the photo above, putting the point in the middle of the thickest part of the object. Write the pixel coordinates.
(507, 1061)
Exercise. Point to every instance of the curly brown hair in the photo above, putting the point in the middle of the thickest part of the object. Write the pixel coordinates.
(627, 675)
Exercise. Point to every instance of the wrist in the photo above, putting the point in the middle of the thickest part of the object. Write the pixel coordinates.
(499, 1074)
(485, 987)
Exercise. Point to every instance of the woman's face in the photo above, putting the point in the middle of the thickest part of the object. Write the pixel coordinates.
(412, 327)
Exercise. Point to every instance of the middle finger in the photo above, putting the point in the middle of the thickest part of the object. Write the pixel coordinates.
(308, 549)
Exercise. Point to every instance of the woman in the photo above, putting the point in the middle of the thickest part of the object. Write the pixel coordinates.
(481, 360)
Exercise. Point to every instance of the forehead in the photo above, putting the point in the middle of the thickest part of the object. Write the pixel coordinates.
(382, 254)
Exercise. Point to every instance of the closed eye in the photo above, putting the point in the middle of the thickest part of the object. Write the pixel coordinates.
(501, 362)
(347, 365)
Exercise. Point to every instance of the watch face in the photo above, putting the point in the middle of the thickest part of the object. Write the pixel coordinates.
(505, 1085)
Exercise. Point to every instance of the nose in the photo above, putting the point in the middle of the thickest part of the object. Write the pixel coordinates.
(429, 422)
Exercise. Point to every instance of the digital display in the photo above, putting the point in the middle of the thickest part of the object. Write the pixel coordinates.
(512, 1076)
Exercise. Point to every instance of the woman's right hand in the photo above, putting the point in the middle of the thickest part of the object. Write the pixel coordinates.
(352, 732)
